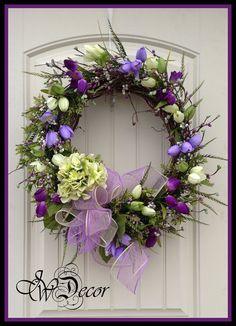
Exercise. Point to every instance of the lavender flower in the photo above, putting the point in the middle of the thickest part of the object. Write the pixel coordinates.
(48, 117)
(141, 54)
(186, 147)
(176, 76)
(119, 251)
(167, 95)
(131, 67)
(70, 64)
(125, 239)
(182, 208)
(41, 209)
(110, 249)
(66, 132)
(171, 201)
(196, 140)
(52, 138)
(173, 150)
(56, 199)
(82, 85)
(173, 184)
(40, 195)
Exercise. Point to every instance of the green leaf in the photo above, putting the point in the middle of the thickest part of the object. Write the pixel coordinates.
(50, 222)
(120, 220)
(163, 208)
(177, 135)
(159, 241)
(53, 209)
(46, 91)
(182, 167)
(162, 65)
(105, 258)
(206, 182)
(56, 89)
(160, 104)
(189, 112)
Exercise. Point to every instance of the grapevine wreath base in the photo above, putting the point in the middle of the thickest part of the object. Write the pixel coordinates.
(96, 209)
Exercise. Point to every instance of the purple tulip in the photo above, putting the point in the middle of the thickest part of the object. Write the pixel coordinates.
(171, 201)
(167, 95)
(40, 195)
(66, 132)
(125, 239)
(152, 237)
(82, 85)
(48, 117)
(173, 184)
(186, 147)
(182, 208)
(141, 54)
(56, 199)
(173, 150)
(52, 138)
(41, 209)
(71, 65)
(196, 140)
(119, 251)
(175, 76)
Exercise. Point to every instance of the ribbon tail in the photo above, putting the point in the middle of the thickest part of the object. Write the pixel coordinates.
(129, 266)
(63, 213)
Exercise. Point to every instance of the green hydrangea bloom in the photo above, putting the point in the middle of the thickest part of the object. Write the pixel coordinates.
(79, 174)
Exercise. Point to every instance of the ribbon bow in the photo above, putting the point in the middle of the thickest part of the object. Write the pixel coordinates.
(94, 226)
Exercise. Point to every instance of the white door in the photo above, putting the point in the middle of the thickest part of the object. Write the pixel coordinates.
(186, 277)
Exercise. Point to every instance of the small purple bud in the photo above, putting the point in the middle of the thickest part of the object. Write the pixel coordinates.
(171, 201)
(196, 140)
(56, 199)
(66, 132)
(71, 65)
(186, 147)
(125, 239)
(175, 76)
(40, 195)
(152, 237)
(173, 184)
(52, 138)
(119, 251)
(41, 209)
(141, 54)
(82, 85)
(182, 208)
(173, 150)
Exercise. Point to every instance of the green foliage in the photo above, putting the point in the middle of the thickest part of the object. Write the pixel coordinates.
(105, 258)
(121, 220)
(117, 42)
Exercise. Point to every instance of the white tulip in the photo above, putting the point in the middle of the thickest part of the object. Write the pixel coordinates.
(147, 211)
(93, 52)
(171, 108)
(51, 103)
(58, 159)
(136, 192)
(148, 82)
(151, 63)
(199, 170)
(63, 104)
(38, 166)
(194, 178)
(178, 116)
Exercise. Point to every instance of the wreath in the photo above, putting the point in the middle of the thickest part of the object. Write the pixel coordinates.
(116, 217)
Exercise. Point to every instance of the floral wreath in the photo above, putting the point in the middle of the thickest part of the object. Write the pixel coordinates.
(116, 217)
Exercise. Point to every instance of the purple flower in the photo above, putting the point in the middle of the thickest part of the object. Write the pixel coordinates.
(111, 249)
(131, 67)
(152, 237)
(48, 117)
(52, 138)
(173, 150)
(141, 54)
(56, 199)
(40, 195)
(196, 140)
(66, 132)
(173, 183)
(125, 239)
(119, 251)
(82, 85)
(182, 208)
(175, 76)
(75, 77)
(186, 147)
(41, 209)
(71, 65)
(126, 67)
(171, 201)
(166, 95)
